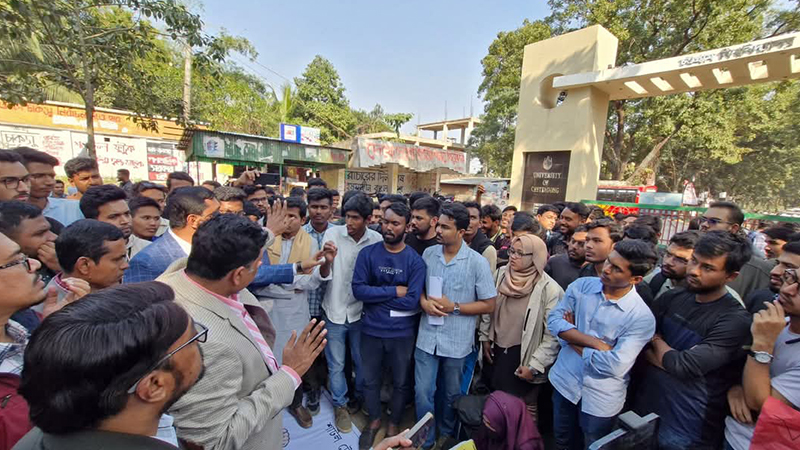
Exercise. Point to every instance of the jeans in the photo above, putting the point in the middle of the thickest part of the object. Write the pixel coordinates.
(338, 335)
(568, 419)
(396, 355)
(426, 369)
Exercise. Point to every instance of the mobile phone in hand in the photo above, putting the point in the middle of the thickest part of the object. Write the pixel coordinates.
(422, 429)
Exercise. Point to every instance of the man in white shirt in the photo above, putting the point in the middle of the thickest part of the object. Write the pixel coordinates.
(342, 313)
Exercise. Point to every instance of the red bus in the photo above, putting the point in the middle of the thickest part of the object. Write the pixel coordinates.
(620, 193)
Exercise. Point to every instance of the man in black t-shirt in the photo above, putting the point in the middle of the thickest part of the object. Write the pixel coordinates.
(564, 268)
(573, 215)
(424, 217)
(697, 352)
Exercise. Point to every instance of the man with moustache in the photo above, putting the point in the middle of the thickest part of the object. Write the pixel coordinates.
(15, 183)
(565, 268)
(697, 352)
(424, 217)
(773, 366)
(388, 278)
(789, 260)
(572, 216)
(41, 170)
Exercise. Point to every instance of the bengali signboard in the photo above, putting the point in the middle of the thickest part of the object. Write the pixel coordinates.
(115, 153)
(377, 182)
(162, 159)
(373, 152)
(545, 178)
(53, 142)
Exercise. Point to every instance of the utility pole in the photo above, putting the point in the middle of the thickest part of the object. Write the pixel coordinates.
(187, 81)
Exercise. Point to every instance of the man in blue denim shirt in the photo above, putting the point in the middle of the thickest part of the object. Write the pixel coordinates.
(602, 325)
(467, 291)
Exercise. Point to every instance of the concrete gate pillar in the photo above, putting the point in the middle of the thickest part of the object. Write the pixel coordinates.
(559, 140)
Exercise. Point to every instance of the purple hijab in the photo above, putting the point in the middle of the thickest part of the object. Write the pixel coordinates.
(513, 426)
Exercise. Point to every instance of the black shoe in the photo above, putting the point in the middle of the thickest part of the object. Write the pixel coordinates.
(355, 405)
(313, 402)
(367, 438)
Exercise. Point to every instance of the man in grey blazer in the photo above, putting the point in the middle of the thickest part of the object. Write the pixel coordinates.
(238, 403)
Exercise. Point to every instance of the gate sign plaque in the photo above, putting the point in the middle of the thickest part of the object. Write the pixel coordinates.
(545, 178)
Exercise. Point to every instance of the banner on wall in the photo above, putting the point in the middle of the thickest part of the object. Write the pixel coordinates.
(55, 143)
(115, 153)
(162, 159)
(373, 152)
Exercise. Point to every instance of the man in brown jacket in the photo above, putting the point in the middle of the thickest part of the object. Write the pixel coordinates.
(238, 404)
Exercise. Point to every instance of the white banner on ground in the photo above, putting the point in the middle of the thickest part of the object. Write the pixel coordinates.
(323, 435)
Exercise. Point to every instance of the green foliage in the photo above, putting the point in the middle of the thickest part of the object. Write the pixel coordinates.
(715, 136)
(397, 120)
(321, 101)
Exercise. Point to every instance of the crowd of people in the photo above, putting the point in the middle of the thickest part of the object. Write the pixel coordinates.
(140, 315)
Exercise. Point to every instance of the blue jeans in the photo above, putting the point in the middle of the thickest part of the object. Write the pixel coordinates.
(337, 337)
(568, 419)
(427, 368)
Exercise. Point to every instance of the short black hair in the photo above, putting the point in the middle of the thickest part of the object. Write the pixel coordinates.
(125, 172)
(780, 232)
(297, 202)
(81, 361)
(317, 182)
(250, 209)
(224, 243)
(416, 196)
(10, 156)
(97, 196)
(648, 220)
(250, 189)
(142, 186)
(429, 204)
(269, 190)
(492, 212)
(524, 221)
(376, 205)
(30, 155)
(473, 205)
(59, 182)
(179, 175)
(547, 208)
(348, 195)
(317, 194)
(230, 194)
(392, 198)
(13, 212)
(792, 247)
(578, 208)
(641, 233)
(185, 201)
(614, 229)
(401, 209)
(140, 202)
(359, 204)
(216, 184)
(85, 237)
(581, 229)
(560, 206)
(736, 248)
(509, 208)
(596, 212)
(685, 239)
(640, 255)
(734, 211)
(458, 213)
(80, 164)
(297, 191)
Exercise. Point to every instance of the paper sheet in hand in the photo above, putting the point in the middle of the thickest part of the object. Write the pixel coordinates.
(435, 291)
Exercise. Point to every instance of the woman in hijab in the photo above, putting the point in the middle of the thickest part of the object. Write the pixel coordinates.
(517, 347)
(507, 426)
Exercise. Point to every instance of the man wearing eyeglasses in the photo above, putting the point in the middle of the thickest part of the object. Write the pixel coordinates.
(789, 259)
(238, 404)
(726, 216)
(22, 288)
(110, 393)
(41, 170)
(14, 179)
(773, 364)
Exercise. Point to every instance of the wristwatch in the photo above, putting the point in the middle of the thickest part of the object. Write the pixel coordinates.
(298, 268)
(456, 309)
(761, 357)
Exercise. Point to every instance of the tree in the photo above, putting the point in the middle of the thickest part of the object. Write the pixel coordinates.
(493, 138)
(321, 101)
(397, 120)
(86, 46)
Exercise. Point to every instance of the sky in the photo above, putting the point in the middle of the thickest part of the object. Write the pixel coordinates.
(409, 56)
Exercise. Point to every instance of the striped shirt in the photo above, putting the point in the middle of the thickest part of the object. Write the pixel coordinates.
(467, 278)
(11, 353)
(238, 310)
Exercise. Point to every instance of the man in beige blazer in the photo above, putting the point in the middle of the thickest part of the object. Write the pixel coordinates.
(238, 403)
